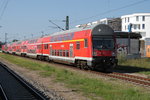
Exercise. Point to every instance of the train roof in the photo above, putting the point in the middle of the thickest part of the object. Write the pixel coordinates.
(86, 27)
(94, 28)
(71, 30)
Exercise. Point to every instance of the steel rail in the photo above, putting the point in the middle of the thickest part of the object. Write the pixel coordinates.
(131, 78)
(3, 94)
(39, 95)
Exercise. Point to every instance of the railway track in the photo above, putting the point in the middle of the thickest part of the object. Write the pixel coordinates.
(13, 87)
(2, 94)
(132, 78)
(126, 77)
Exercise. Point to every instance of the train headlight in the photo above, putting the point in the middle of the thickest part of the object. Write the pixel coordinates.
(94, 53)
(113, 54)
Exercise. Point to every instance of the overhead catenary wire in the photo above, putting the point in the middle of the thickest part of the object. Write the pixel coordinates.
(109, 11)
(56, 25)
(94, 16)
(5, 3)
(2, 3)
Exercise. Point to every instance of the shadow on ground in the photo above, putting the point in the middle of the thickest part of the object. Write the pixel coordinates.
(130, 69)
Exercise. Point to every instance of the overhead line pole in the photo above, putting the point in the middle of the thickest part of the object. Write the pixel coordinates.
(67, 22)
(6, 38)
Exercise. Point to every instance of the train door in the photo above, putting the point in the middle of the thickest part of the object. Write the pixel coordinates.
(71, 50)
(50, 49)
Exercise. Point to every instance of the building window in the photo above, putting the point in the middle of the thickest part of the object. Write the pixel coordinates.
(143, 26)
(125, 20)
(143, 18)
(125, 27)
(143, 34)
(134, 26)
(85, 43)
(137, 18)
(78, 45)
(139, 26)
(128, 19)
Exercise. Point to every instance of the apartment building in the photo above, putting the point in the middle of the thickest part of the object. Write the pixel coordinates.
(140, 23)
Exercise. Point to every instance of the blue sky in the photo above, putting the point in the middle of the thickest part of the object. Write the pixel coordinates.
(27, 18)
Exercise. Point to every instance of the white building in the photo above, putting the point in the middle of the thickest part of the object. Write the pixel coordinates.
(140, 23)
(114, 23)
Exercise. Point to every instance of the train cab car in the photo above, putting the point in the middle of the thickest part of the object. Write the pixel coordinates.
(91, 47)
(103, 44)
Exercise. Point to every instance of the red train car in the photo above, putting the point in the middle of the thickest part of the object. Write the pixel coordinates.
(91, 47)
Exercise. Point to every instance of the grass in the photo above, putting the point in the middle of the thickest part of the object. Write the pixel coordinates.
(91, 87)
(135, 65)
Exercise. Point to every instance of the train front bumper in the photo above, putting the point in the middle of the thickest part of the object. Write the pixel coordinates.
(103, 62)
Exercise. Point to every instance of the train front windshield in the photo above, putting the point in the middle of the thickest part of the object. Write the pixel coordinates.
(103, 44)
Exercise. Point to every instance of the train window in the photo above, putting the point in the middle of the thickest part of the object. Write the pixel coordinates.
(23, 47)
(67, 53)
(38, 46)
(53, 52)
(45, 46)
(60, 53)
(64, 53)
(57, 52)
(78, 45)
(100, 44)
(85, 43)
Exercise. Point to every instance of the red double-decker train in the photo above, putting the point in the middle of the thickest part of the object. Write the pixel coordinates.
(90, 47)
